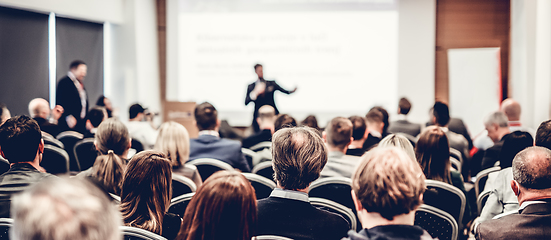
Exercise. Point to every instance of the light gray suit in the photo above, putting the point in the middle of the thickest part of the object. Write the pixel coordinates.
(339, 165)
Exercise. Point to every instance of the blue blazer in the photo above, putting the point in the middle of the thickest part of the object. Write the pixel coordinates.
(229, 151)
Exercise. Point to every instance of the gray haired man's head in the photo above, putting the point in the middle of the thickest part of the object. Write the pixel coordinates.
(532, 168)
(63, 209)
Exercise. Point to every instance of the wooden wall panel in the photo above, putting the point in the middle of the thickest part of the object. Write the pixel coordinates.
(470, 24)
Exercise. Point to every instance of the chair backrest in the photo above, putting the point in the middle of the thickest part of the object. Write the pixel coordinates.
(208, 166)
(264, 169)
(337, 208)
(259, 146)
(481, 201)
(336, 189)
(179, 204)
(4, 165)
(69, 139)
(481, 179)
(262, 186)
(133, 233)
(439, 224)
(252, 157)
(270, 237)
(85, 153)
(456, 164)
(49, 139)
(5, 225)
(182, 185)
(445, 197)
(454, 153)
(55, 160)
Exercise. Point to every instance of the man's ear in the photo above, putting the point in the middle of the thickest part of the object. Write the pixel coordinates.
(2, 153)
(41, 147)
(96, 145)
(515, 187)
(324, 136)
(357, 202)
(129, 143)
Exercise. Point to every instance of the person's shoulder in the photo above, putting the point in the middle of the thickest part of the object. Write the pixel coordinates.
(494, 228)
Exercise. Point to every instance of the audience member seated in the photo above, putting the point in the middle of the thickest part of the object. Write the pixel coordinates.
(396, 140)
(4, 113)
(543, 135)
(387, 189)
(441, 117)
(311, 121)
(141, 127)
(21, 144)
(502, 198)
(375, 128)
(112, 142)
(146, 193)
(532, 186)
(337, 136)
(223, 208)
(64, 209)
(173, 140)
(359, 134)
(403, 125)
(103, 101)
(498, 129)
(95, 116)
(266, 123)
(299, 155)
(39, 110)
(433, 154)
(210, 145)
(283, 121)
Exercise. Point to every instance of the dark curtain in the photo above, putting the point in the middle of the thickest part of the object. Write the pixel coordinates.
(23, 58)
(79, 40)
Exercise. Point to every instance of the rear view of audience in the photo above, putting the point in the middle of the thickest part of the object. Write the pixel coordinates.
(224, 207)
(338, 136)
(359, 135)
(21, 144)
(112, 142)
(397, 140)
(266, 122)
(173, 140)
(402, 125)
(95, 116)
(299, 155)
(146, 193)
(39, 110)
(284, 120)
(387, 189)
(64, 209)
(375, 120)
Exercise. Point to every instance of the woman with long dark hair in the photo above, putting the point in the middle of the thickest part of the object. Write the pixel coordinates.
(224, 207)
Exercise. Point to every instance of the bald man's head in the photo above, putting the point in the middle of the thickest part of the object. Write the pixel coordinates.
(511, 108)
(39, 107)
(532, 168)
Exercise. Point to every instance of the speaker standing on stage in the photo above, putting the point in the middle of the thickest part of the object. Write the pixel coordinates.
(261, 92)
(72, 96)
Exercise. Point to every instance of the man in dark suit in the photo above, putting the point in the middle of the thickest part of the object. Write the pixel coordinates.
(21, 144)
(71, 95)
(299, 155)
(532, 185)
(261, 92)
(498, 128)
(266, 122)
(210, 145)
(39, 110)
(375, 120)
(403, 125)
(359, 134)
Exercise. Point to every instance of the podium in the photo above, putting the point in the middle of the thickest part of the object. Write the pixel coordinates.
(182, 112)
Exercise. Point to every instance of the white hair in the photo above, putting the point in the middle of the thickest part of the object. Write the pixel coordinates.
(63, 209)
(498, 118)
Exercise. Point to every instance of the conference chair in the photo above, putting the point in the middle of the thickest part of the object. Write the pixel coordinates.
(134, 233)
(481, 201)
(179, 204)
(49, 139)
(208, 166)
(252, 157)
(4, 165)
(264, 169)
(445, 197)
(337, 208)
(482, 178)
(5, 225)
(85, 153)
(439, 224)
(454, 153)
(182, 185)
(262, 145)
(262, 186)
(55, 160)
(270, 237)
(69, 139)
(336, 189)
(456, 164)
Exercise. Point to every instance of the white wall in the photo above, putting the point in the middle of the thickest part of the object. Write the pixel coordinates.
(530, 74)
(416, 51)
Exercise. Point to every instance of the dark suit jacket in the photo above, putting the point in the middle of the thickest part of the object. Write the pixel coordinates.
(229, 151)
(52, 129)
(267, 98)
(370, 142)
(491, 156)
(298, 220)
(533, 222)
(456, 125)
(404, 126)
(19, 178)
(68, 97)
(263, 136)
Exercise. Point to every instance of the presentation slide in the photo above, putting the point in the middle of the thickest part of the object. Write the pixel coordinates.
(341, 55)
